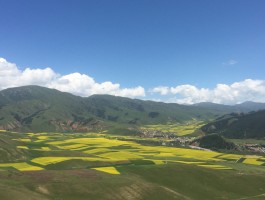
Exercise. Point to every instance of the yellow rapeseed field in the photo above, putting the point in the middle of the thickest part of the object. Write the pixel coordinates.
(109, 170)
(253, 161)
(31, 134)
(121, 155)
(43, 137)
(109, 149)
(53, 160)
(45, 148)
(230, 156)
(22, 147)
(73, 146)
(214, 166)
(23, 140)
(21, 166)
(97, 151)
(203, 164)
(178, 129)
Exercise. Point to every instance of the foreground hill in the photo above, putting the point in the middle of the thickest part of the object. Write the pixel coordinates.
(251, 125)
(89, 166)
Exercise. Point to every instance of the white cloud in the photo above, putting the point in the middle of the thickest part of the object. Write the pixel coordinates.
(76, 83)
(230, 62)
(161, 89)
(238, 92)
(84, 85)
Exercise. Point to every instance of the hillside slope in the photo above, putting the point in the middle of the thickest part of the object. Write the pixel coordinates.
(41, 109)
(251, 125)
(134, 111)
(35, 108)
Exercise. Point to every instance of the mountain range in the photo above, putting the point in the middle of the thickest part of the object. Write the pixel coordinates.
(35, 108)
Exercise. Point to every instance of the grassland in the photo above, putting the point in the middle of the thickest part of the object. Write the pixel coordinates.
(99, 166)
(247, 141)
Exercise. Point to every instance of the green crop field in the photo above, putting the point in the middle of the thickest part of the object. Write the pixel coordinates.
(100, 166)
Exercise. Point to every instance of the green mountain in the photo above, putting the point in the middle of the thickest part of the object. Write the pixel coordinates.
(216, 107)
(134, 111)
(247, 106)
(40, 109)
(34, 108)
(251, 125)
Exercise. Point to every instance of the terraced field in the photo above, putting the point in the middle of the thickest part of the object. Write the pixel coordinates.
(133, 165)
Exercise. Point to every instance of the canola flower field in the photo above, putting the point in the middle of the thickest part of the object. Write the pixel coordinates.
(104, 153)
(178, 129)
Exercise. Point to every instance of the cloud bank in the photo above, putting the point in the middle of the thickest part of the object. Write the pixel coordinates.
(84, 85)
(238, 92)
(76, 83)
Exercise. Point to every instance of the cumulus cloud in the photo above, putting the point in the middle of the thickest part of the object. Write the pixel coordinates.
(84, 85)
(76, 83)
(161, 89)
(238, 92)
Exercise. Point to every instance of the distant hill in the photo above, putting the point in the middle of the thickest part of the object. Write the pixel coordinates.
(247, 106)
(134, 111)
(35, 108)
(215, 106)
(250, 125)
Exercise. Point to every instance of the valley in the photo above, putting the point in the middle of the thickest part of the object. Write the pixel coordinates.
(55, 145)
(132, 100)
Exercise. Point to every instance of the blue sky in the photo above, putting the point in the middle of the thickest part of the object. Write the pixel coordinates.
(141, 43)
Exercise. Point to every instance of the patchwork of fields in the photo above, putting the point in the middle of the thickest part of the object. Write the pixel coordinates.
(178, 129)
(70, 151)
(84, 166)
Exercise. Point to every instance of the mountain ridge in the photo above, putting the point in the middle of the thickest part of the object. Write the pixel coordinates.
(240, 126)
(36, 108)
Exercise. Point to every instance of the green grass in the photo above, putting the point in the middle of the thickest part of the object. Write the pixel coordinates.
(247, 141)
(97, 166)
(201, 183)
(148, 182)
